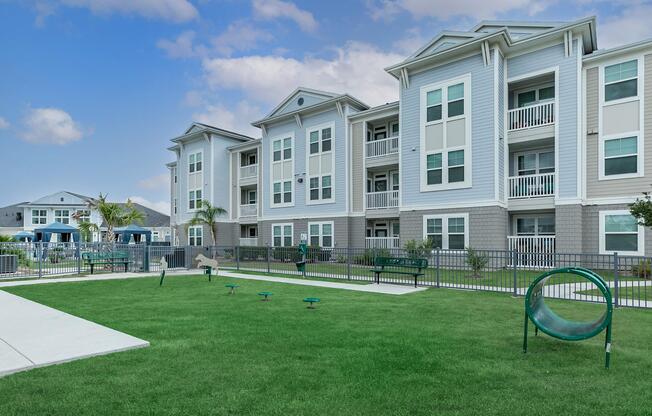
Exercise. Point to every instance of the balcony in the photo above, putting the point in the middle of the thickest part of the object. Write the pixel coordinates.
(380, 200)
(383, 242)
(536, 115)
(249, 171)
(382, 147)
(532, 186)
(249, 210)
(248, 241)
(536, 251)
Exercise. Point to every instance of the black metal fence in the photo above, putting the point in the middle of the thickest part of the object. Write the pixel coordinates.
(488, 270)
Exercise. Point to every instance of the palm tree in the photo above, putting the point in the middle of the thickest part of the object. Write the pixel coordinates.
(207, 215)
(114, 215)
(86, 229)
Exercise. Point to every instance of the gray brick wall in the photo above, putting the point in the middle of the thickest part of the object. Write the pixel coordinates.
(487, 226)
(340, 224)
(591, 228)
(569, 228)
(227, 234)
(357, 231)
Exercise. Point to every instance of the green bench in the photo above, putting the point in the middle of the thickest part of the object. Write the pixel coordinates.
(400, 265)
(111, 257)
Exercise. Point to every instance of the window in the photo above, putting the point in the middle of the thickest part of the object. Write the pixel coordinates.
(535, 96)
(445, 135)
(535, 162)
(251, 197)
(174, 173)
(62, 216)
(194, 162)
(287, 192)
(195, 236)
(535, 225)
(320, 162)
(282, 172)
(447, 231)
(320, 234)
(39, 216)
(456, 100)
(282, 235)
(394, 128)
(83, 215)
(174, 202)
(620, 156)
(620, 233)
(194, 199)
(621, 80)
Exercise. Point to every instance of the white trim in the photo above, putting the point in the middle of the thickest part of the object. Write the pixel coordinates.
(309, 130)
(281, 137)
(602, 235)
(283, 225)
(611, 200)
(195, 227)
(453, 205)
(444, 225)
(496, 129)
(347, 155)
(505, 133)
(467, 148)
(321, 233)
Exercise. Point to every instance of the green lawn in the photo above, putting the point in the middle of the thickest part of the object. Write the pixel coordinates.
(438, 352)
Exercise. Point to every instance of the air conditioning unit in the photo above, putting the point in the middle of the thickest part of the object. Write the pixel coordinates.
(8, 263)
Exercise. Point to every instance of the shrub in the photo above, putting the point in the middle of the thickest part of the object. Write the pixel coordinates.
(367, 258)
(418, 249)
(476, 261)
(643, 269)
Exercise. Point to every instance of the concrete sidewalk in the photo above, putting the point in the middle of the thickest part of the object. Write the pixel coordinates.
(33, 335)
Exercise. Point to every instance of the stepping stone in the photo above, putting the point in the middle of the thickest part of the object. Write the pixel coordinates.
(231, 287)
(312, 301)
(266, 295)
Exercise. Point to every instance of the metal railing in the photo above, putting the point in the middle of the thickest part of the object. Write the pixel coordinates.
(249, 241)
(535, 115)
(248, 210)
(382, 147)
(506, 271)
(383, 242)
(532, 186)
(385, 199)
(248, 171)
(535, 251)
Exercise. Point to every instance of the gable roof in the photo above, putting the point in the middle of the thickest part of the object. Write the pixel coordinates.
(63, 198)
(322, 95)
(196, 128)
(439, 42)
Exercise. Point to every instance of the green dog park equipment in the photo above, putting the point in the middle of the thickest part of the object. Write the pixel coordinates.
(266, 295)
(301, 264)
(549, 322)
(208, 270)
(312, 301)
(232, 287)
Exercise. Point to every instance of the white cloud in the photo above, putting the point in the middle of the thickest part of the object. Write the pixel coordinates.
(50, 126)
(182, 46)
(236, 119)
(160, 206)
(631, 25)
(4, 124)
(172, 10)
(239, 36)
(273, 9)
(446, 9)
(157, 182)
(356, 68)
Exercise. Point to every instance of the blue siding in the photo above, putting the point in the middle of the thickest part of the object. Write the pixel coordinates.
(567, 101)
(482, 134)
(339, 180)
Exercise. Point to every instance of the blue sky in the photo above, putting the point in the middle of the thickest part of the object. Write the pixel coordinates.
(91, 91)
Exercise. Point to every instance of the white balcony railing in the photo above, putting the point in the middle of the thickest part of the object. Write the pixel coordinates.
(249, 171)
(249, 210)
(533, 250)
(382, 147)
(532, 186)
(248, 241)
(535, 115)
(386, 199)
(383, 242)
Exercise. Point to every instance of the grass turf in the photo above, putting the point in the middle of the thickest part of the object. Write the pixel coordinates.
(441, 352)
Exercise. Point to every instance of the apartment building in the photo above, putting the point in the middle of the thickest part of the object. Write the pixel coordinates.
(512, 135)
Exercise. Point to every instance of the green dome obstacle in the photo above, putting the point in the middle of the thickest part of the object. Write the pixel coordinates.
(546, 320)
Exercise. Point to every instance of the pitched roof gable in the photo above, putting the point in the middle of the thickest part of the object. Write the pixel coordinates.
(292, 102)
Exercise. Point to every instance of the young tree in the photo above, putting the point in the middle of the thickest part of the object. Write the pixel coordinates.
(114, 215)
(642, 210)
(207, 215)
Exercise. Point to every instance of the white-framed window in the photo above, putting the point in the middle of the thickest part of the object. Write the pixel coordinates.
(155, 236)
(251, 197)
(621, 80)
(282, 172)
(320, 234)
(535, 225)
(320, 160)
(62, 216)
(282, 235)
(448, 231)
(196, 235)
(619, 156)
(620, 233)
(394, 129)
(534, 162)
(195, 162)
(446, 135)
(194, 199)
(174, 174)
(39, 216)
(534, 95)
(174, 204)
(83, 215)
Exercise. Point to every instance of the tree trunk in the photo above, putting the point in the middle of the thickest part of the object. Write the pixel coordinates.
(213, 233)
